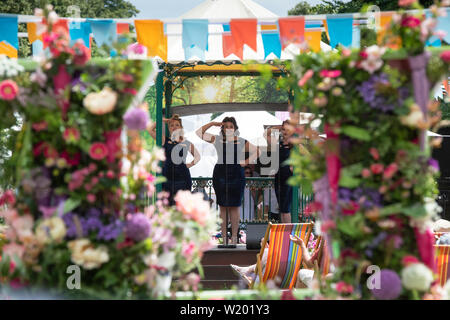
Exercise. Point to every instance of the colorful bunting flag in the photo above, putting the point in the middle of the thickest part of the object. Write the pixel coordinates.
(32, 32)
(443, 23)
(271, 42)
(150, 33)
(195, 38)
(123, 28)
(105, 31)
(292, 30)
(37, 47)
(228, 45)
(80, 30)
(244, 31)
(384, 34)
(9, 36)
(356, 38)
(340, 30)
(313, 38)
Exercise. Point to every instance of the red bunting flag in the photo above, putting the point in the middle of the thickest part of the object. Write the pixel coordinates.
(292, 30)
(229, 47)
(123, 28)
(243, 31)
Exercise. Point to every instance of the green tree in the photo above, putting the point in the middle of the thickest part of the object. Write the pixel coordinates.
(88, 8)
(340, 6)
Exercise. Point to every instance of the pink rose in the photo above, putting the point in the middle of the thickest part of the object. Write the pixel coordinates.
(91, 198)
(390, 171)
(376, 168)
(343, 287)
(407, 260)
(374, 153)
(411, 22)
(308, 75)
(365, 173)
(445, 56)
(350, 209)
(330, 73)
(193, 206)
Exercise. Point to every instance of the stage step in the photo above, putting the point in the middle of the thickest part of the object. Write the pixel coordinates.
(216, 262)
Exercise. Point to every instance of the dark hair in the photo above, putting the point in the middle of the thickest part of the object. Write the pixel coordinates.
(233, 121)
(176, 117)
(287, 121)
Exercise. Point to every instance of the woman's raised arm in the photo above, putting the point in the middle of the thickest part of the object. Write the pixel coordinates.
(201, 132)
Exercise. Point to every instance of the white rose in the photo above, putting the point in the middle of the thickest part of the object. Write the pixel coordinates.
(85, 255)
(52, 229)
(102, 102)
(417, 276)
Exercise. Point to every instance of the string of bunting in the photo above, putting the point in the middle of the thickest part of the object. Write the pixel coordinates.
(276, 35)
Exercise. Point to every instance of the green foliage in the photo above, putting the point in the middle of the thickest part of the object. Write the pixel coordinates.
(88, 8)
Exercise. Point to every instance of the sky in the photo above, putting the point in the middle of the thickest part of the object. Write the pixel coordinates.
(153, 9)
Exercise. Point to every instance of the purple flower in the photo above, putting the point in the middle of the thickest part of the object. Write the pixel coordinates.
(377, 92)
(136, 119)
(110, 231)
(434, 164)
(367, 197)
(390, 285)
(138, 226)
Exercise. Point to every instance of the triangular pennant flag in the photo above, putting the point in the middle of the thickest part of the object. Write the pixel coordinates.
(292, 30)
(150, 33)
(356, 38)
(9, 31)
(32, 32)
(340, 30)
(105, 31)
(8, 50)
(384, 32)
(80, 30)
(271, 42)
(123, 28)
(446, 86)
(244, 31)
(313, 38)
(38, 47)
(229, 47)
(195, 38)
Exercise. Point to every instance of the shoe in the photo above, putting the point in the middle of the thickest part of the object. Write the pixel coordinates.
(238, 271)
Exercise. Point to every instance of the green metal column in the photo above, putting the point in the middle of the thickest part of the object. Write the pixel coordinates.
(168, 99)
(159, 105)
(294, 205)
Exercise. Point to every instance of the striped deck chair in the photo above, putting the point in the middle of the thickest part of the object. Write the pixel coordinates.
(284, 257)
(443, 267)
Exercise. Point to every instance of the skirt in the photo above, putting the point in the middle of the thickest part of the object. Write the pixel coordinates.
(182, 181)
(283, 191)
(229, 184)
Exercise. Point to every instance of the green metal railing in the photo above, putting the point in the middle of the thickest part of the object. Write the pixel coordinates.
(258, 209)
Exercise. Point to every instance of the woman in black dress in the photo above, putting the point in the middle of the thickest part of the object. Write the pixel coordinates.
(283, 191)
(176, 149)
(228, 174)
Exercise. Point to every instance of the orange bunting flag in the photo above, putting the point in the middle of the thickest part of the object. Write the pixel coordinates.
(292, 30)
(123, 28)
(385, 22)
(325, 25)
(32, 32)
(244, 31)
(229, 47)
(8, 50)
(313, 38)
(150, 33)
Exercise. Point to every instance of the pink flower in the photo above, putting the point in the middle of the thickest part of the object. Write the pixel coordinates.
(95, 180)
(71, 135)
(343, 287)
(330, 73)
(445, 56)
(98, 151)
(113, 143)
(327, 225)
(72, 160)
(350, 209)
(440, 34)
(92, 167)
(82, 54)
(376, 168)
(406, 3)
(313, 207)
(8, 90)
(130, 91)
(124, 77)
(91, 198)
(411, 22)
(390, 171)
(365, 173)
(374, 153)
(308, 75)
(50, 152)
(39, 126)
(192, 206)
(12, 249)
(151, 178)
(425, 244)
(187, 250)
(407, 260)
(110, 174)
(8, 198)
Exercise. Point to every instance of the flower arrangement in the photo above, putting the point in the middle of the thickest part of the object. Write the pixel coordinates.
(82, 199)
(372, 175)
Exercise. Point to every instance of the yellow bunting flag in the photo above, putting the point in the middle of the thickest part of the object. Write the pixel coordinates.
(8, 50)
(150, 33)
(32, 32)
(325, 25)
(313, 38)
(383, 34)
